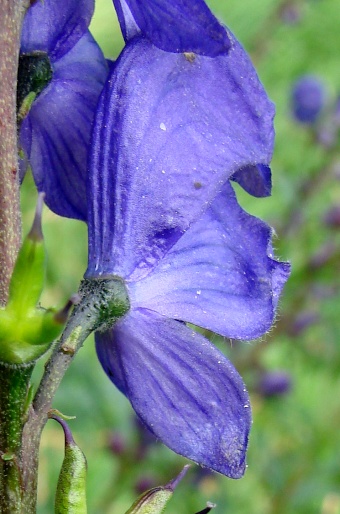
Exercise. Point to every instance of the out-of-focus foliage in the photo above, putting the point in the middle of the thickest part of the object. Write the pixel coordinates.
(293, 457)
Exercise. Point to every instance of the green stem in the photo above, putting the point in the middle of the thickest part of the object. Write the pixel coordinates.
(103, 302)
(14, 384)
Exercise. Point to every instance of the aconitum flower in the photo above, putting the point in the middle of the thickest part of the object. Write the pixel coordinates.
(62, 70)
(220, 275)
(171, 129)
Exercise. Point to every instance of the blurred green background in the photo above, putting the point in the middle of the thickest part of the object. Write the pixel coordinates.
(294, 453)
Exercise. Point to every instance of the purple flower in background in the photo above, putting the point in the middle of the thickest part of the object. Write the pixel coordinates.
(308, 99)
(63, 71)
(171, 129)
(275, 383)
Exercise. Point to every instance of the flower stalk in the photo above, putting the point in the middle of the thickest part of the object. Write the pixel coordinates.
(101, 301)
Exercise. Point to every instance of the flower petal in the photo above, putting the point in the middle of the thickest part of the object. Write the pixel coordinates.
(176, 26)
(55, 135)
(185, 390)
(169, 133)
(256, 180)
(220, 275)
(55, 26)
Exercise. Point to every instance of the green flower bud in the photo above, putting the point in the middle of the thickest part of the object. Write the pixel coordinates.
(26, 330)
(28, 276)
(154, 501)
(71, 489)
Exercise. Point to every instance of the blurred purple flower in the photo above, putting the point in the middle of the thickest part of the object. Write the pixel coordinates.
(62, 64)
(275, 383)
(302, 321)
(308, 99)
(332, 217)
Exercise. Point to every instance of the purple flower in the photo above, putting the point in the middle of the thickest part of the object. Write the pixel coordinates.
(308, 99)
(65, 69)
(177, 26)
(171, 129)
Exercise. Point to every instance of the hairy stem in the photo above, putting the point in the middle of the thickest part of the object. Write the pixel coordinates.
(73, 338)
(11, 16)
(102, 301)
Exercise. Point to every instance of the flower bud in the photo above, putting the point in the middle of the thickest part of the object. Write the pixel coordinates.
(29, 271)
(308, 99)
(27, 330)
(275, 383)
(155, 500)
(71, 489)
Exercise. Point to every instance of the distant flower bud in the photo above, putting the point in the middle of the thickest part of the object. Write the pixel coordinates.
(323, 255)
(302, 321)
(275, 383)
(308, 99)
(143, 483)
(290, 14)
(332, 217)
(117, 443)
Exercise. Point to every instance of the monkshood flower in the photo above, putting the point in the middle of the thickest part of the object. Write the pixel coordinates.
(171, 129)
(61, 74)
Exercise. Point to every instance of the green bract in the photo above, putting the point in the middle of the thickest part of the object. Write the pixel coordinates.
(27, 330)
(71, 489)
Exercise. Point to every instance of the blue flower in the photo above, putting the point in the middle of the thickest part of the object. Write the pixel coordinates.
(65, 69)
(180, 116)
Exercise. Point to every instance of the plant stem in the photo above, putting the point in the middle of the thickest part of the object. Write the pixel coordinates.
(99, 298)
(11, 16)
(71, 341)
(14, 383)
(13, 380)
